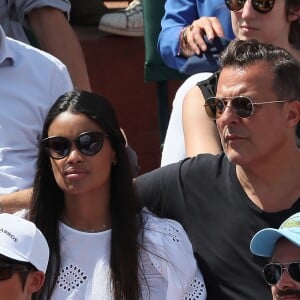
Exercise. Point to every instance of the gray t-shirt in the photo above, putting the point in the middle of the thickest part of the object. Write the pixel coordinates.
(13, 14)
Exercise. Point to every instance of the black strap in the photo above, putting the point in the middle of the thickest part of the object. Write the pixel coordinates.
(208, 87)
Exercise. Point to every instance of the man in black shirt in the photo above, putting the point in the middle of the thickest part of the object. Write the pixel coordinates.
(223, 200)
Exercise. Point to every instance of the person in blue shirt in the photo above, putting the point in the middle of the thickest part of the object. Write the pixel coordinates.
(204, 17)
(190, 28)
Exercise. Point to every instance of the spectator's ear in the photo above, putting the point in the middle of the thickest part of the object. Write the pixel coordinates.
(35, 281)
(293, 113)
(294, 14)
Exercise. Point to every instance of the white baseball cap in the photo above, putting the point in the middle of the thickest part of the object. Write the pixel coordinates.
(21, 240)
(264, 241)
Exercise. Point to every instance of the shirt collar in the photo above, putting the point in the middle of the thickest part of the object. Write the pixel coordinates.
(6, 55)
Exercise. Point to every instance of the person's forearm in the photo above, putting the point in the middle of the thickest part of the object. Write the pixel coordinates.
(13, 202)
(168, 47)
(56, 36)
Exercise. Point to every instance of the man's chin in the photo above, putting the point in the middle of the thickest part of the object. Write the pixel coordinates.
(235, 157)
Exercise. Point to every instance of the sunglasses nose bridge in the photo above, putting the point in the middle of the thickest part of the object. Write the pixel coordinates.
(227, 109)
(285, 277)
(73, 151)
(248, 9)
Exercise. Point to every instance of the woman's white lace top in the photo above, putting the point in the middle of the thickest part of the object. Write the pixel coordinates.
(168, 265)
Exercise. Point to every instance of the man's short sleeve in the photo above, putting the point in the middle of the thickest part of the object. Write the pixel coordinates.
(20, 8)
(161, 191)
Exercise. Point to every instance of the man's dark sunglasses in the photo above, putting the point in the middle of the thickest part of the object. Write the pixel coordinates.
(262, 6)
(88, 143)
(8, 269)
(243, 106)
(273, 271)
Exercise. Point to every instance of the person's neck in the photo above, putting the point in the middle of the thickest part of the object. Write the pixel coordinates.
(274, 185)
(88, 214)
(82, 225)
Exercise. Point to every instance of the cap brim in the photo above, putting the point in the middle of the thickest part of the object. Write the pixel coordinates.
(263, 242)
(11, 254)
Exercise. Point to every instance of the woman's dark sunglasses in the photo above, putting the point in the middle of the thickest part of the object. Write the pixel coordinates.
(273, 271)
(262, 6)
(8, 269)
(88, 143)
(243, 106)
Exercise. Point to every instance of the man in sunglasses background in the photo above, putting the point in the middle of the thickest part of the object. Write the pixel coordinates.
(283, 246)
(24, 255)
(269, 21)
(223, 200)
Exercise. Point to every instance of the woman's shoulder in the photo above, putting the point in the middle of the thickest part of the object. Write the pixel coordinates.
(163, 226)
(166, 237)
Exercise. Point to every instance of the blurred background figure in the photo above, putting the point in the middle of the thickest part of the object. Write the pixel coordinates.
(125, 22)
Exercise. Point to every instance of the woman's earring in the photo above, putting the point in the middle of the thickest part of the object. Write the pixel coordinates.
(114, 163)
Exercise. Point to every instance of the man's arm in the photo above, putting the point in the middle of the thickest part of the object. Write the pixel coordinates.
(56, 36)
(13, 202)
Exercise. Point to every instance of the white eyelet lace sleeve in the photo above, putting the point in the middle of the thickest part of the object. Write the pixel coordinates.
(169, 268)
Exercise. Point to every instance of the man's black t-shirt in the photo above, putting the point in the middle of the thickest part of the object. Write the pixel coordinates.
(204, 194)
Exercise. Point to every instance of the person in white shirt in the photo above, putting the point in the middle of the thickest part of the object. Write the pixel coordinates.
(44, 24)
(31, 80)
(102, 244)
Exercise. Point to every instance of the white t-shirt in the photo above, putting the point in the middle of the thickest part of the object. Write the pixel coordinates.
(168, 264)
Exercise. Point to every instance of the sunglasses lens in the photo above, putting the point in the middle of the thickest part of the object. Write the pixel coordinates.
(214, 107)
(294, 271)
(90, 143)
(263, 6)
(210, 108)
(272, 273)
(57, 147)
(235, 5)
(242, 106)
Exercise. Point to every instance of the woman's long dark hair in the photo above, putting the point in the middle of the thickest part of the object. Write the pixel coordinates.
(48, 198)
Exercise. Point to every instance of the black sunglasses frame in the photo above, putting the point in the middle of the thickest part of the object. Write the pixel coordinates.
(96, 135)
(215, 106)
(10, 269)
(259, 5)
(279, 268)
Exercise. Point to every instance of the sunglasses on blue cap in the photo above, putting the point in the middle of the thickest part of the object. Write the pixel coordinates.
(273, 271)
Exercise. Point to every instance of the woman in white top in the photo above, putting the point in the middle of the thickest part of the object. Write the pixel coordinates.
(102, 245)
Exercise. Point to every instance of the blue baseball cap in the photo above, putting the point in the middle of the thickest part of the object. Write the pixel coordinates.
(263, 242)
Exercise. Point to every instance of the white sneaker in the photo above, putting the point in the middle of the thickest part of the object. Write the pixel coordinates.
(126, 22)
